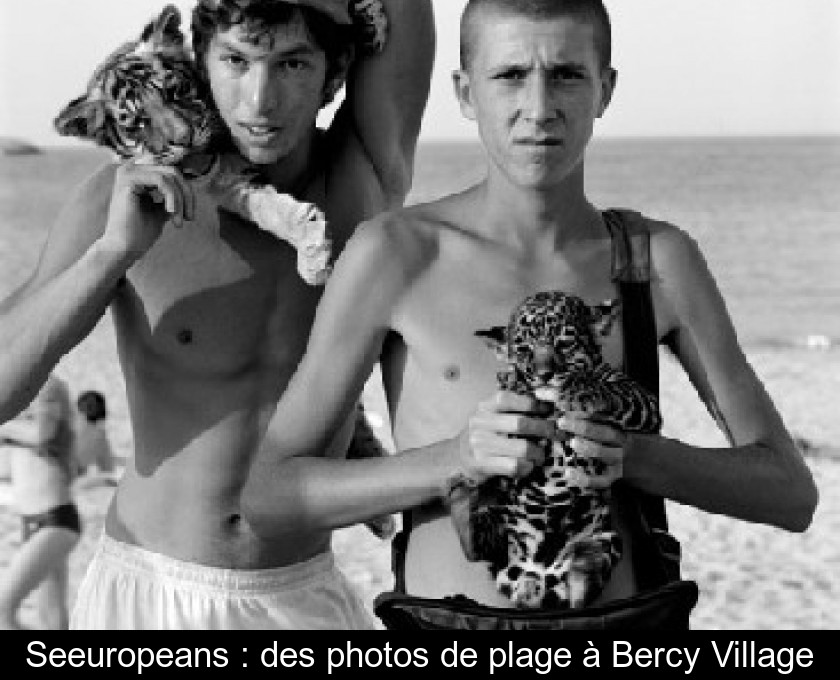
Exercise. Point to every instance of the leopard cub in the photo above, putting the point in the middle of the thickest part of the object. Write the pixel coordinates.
(549, 540)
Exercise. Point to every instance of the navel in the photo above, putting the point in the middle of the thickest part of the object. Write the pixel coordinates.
(185, 336)
(452, 372)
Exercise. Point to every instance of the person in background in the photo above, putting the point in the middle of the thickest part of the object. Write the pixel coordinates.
(92, 451)
(41, 441)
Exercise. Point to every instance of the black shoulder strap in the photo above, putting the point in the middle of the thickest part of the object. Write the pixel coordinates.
(631, 272)
(399, 546)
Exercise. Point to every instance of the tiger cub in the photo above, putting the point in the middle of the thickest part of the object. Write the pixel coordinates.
(148, 103)
(549, 539)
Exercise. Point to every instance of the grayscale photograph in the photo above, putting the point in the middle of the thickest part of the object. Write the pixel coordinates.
(420, 314)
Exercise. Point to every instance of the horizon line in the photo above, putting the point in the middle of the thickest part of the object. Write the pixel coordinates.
(82, 146)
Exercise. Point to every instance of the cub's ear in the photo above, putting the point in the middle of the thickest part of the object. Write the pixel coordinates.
(82, 117)
(165, 29)
(496, 339)
(604, 315)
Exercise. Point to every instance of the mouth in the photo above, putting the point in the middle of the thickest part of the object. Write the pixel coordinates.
(538, 142)
(260, 132)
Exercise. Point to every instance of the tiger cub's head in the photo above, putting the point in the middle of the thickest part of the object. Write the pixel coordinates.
(147, 101)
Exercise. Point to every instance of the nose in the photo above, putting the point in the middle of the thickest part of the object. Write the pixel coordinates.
(544, 361)
(538, 104)
(262, 90)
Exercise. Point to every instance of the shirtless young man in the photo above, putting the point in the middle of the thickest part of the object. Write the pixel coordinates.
(413, 286)
(212, 318)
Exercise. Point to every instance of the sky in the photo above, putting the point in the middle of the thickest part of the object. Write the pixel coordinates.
(686, 67)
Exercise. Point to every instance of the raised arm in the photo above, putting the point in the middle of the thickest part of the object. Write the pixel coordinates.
(387, 94)
(77, 274)
(763, 477)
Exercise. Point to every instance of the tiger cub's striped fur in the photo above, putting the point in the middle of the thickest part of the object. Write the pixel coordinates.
(149, 103)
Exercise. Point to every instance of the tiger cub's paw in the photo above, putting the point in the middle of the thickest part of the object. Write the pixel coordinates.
(371, 25)
(304, 226)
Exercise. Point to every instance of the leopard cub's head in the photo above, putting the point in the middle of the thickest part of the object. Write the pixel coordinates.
(550, 335)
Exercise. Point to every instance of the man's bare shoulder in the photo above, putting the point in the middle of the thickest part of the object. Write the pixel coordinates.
(410, 236)
(687, 287)
(672, 249)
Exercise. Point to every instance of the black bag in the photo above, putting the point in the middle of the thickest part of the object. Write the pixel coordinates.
(665, 608)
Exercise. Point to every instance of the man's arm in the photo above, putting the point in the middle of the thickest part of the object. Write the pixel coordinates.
(292, 488)
(763, 477)
(109, 222)
(386, 95)
(60, 303)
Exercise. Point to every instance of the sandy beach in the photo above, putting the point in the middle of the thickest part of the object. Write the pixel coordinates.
(750, 576)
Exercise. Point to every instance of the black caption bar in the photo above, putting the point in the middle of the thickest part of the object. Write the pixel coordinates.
(445, 654)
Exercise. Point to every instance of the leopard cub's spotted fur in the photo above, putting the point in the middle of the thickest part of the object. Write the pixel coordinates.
(550, 541)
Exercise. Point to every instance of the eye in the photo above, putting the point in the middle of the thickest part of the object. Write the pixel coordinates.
(511, 75)
(294, 65)
(234, 62)
(567, 74)
(181, 89)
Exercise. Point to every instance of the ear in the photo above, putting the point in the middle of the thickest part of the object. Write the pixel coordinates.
(603, 316)
(463, 92)
(82, 117)
(165, 30)
(609, 77)
(496, 339)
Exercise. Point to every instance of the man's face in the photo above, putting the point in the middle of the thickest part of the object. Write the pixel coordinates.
(535, 89)
(267, 90)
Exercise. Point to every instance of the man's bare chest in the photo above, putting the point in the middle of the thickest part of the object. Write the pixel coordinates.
(218, 296)
(439, 319)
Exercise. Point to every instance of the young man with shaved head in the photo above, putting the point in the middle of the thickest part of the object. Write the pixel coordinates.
(414, 285)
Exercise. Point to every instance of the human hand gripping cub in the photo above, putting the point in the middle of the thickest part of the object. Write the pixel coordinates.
(507, 436)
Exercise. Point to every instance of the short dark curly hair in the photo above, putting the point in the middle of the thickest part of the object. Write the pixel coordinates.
(91, 405)
(259, 16)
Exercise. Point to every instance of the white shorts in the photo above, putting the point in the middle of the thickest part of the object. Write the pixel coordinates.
(129, 588)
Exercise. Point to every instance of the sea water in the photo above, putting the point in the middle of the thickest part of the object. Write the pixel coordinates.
(765, 212)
